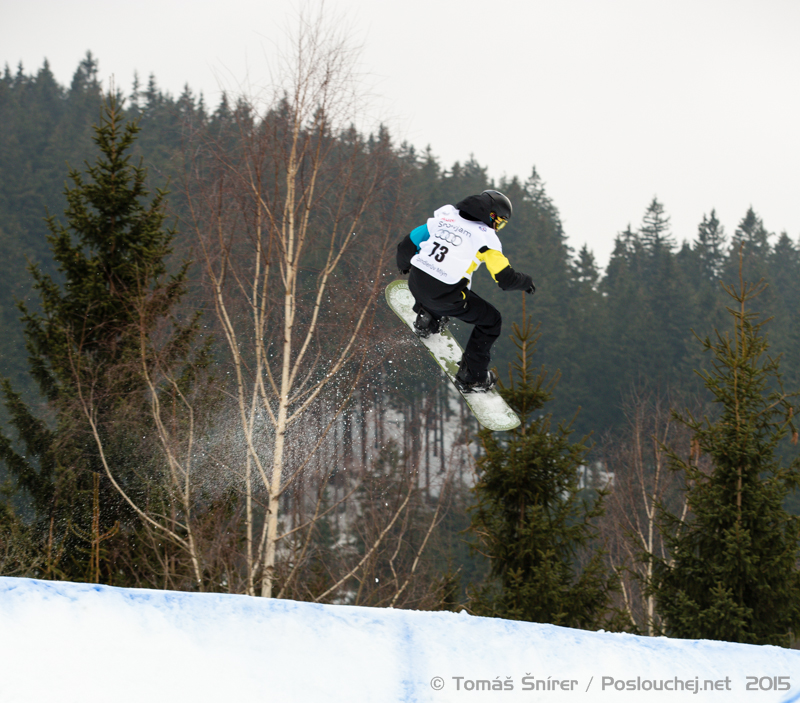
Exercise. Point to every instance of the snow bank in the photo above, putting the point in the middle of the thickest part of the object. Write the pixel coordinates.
(65, 642)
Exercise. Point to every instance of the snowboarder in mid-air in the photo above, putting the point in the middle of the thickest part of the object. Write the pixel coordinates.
(440, 258)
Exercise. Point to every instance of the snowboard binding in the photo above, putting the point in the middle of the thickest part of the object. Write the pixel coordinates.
(426, 324)
(468, 383)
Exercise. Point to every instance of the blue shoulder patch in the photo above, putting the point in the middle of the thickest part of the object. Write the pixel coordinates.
(419, 235)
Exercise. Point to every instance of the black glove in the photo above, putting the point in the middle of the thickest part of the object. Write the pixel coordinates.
(509, 279)
(405, 271)
(531, 289)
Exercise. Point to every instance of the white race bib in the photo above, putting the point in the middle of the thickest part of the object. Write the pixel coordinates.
(449, 252)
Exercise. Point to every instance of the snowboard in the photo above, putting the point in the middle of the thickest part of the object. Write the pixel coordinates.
(489, 408)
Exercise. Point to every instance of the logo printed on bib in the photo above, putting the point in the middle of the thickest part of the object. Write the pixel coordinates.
(450, 237)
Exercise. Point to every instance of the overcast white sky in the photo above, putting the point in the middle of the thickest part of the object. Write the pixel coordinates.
(614, 101)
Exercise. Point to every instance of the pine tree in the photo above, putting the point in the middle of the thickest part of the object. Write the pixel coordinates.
(753, 235)
(710, 247)
(655, 231)
(750, 245)
(584, 362)
(784, 279)
(531, 517)
(732, 572)
(650, 308)
(111, 258)
(586, 274)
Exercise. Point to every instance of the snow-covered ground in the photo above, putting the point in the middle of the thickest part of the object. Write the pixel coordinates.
(64, 642)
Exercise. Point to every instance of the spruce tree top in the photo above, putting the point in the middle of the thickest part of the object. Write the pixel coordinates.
(111, 254)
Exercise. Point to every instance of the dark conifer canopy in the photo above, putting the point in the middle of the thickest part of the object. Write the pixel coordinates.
(732, 572)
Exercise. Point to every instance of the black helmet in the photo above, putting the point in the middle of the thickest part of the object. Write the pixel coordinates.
(490, 207)
(499, 208)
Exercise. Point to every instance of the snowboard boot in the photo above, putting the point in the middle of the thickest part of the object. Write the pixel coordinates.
(426, 324)
(468, 382)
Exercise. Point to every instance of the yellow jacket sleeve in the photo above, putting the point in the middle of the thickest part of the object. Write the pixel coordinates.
(495, 261)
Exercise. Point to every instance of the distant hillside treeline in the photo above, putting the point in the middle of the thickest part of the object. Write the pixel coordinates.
(606, 332)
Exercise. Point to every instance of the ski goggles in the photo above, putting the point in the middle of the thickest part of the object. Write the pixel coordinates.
(499, 222)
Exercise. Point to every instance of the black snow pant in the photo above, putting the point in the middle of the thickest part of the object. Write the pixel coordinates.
(448, 300)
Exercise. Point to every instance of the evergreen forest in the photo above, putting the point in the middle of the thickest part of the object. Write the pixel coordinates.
(202, 387)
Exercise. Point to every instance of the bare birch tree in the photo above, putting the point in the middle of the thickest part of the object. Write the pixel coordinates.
(294, 213)
(165, 497)
(642, 481)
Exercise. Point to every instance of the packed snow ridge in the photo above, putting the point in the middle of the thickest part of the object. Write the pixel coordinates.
(65, 642)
